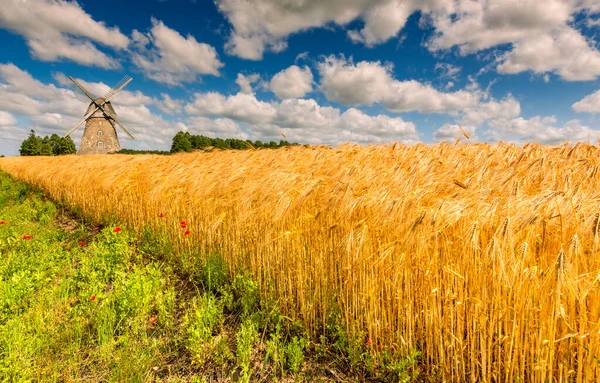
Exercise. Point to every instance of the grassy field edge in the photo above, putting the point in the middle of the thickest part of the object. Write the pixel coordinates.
(97, 302)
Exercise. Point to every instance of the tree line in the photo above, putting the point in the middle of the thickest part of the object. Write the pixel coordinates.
(186, 142)
(54, 145)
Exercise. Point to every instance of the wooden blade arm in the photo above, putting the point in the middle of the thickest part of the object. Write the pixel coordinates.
(82, 121)
(82, 88)
(116, 91)
(122, 127)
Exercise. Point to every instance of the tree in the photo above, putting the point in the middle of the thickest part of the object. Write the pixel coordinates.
(32, 146)
(46, 149)
(181, 143)
(62, 145)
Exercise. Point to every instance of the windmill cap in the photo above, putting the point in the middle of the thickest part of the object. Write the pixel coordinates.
(108, 109)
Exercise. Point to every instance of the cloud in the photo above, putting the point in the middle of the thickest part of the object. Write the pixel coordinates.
(540, 129)
(447, 70)
(454, 132)
(564, 52)
(301, 120)
(491, 110)
(169, 105)
(366, 83)
(245, 82)
(538, 33)
(219, 127)
(164, 55)
(264, 25)
(56, 30)
(588, 104)
(7, 119)
(293, 82)
(241, 107)
(476, 25)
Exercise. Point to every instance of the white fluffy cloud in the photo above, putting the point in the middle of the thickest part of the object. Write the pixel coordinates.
(56, 30)
(293, 82)
(7, 119)
(564, 52)
(532, 27)
(264, 25)
(219, 127)
(245, 82)
(366, 83)
(588, 104)
(454, 132)
(166, 56)
(477, 25)
(302, 120)
(540, 129)
(240, 107)
(506, 108)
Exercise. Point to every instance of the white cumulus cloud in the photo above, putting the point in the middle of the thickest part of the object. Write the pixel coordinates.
(366, 83)
(293, 82)
(164, 55)
(56, 30)
(245, 82)
(588, 104)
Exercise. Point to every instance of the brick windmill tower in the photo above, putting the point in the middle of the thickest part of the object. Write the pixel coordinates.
(100, 134)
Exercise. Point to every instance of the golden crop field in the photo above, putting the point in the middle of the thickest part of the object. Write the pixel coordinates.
(485, 258)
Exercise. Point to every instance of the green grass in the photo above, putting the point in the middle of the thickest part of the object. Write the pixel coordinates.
(81, 302)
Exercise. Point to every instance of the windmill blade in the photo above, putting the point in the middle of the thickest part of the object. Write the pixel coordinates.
(86, 117)
(117, 88)
(122, 127)
(76, 126)
(82, 88)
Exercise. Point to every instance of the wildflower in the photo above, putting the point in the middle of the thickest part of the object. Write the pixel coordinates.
(93, 298)
(369, 341)
(117, 229)
(153, 319)
(187, 232)
(69, 248)
(27, 236)
(183, 224)
(45, 198)
(161, 215)
(82, 244)
(2, 222)
(96, 228)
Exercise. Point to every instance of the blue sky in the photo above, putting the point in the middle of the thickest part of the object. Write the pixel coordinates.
(316, 71)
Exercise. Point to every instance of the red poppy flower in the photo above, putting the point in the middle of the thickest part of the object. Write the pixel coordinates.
(369, 341)
(117, 229)
(82, 244)
(27, 236)
(2, 222)
(183, 224)
(45, 198)
(160, 215)
(187, 232)
(96, 228)
(153, 319)
(93, 298)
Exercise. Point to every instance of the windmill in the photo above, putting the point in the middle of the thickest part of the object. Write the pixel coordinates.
(100, 134)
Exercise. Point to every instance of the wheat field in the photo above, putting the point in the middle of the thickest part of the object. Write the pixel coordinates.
(485, 258)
